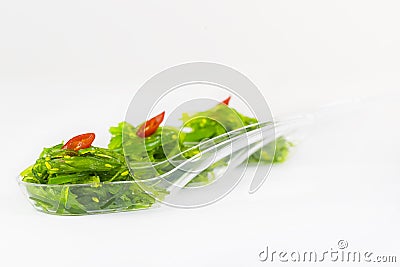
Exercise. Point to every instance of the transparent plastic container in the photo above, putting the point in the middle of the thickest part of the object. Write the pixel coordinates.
(166, 178)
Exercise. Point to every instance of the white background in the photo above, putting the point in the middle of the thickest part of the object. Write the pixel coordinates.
(71, 67)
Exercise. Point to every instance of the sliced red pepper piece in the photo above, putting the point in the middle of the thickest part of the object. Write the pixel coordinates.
(226, 101)
(80, 142)
(150, 126)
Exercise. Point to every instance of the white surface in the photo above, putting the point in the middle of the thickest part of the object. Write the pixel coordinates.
(72, 67)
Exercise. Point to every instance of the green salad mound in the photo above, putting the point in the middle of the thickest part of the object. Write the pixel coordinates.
(98, 180)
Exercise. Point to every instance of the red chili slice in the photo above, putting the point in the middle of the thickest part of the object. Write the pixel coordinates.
(226, 101)
(150, 126)
(80, 142)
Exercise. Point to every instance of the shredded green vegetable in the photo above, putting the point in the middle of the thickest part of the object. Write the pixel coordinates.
(87, 174)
